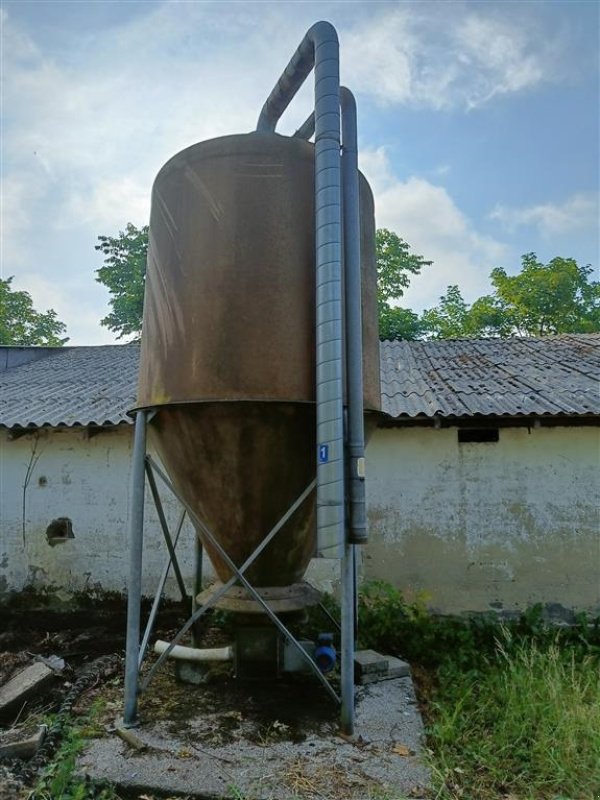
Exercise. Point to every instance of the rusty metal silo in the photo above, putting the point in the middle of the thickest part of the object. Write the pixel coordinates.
(228, 345)
(259, 356)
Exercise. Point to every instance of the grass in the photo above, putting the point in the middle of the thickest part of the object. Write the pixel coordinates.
(526, 726)
(512, 710)
(58, 780)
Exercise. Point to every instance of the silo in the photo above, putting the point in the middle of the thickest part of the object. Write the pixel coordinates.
(228, 345)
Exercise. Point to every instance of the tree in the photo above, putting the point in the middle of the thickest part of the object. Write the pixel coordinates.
(449, 319)
(21, 324)
(395, 267)
(557, 297)
(124, 273)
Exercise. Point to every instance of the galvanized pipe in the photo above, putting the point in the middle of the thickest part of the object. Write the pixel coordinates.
(354, 345)
(320, 49)
(357, 526)
(134, 590)
(306, 130)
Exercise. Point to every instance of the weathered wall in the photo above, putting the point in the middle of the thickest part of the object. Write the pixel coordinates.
(484, 526)
(475, 526)
(64, 473)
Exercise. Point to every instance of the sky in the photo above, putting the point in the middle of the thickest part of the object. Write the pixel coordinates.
(478, 126)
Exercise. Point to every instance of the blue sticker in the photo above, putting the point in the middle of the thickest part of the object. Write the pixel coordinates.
(323, 453)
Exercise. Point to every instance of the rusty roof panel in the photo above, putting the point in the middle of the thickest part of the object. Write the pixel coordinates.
(554, 375)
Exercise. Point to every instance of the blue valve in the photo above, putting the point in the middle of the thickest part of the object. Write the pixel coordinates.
(325, 656)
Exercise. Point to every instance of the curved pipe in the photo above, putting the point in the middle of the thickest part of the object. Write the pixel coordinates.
(320, 48)
(181, 653)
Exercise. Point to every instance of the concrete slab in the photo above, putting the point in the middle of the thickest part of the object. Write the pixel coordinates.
(24, 685)
(198, 760)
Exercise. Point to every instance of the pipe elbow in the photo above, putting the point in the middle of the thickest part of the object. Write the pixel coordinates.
(321, 32)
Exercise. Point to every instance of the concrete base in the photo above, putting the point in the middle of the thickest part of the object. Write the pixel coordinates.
(381, 761)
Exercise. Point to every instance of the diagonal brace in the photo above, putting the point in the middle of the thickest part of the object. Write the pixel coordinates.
(165, 529)
(158, 595)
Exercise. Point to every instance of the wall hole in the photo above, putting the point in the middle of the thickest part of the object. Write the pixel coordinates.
(59, 530)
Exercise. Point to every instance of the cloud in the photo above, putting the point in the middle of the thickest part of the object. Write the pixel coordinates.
(578, 212)
(447, 57)
(426, 216)
(92, 112)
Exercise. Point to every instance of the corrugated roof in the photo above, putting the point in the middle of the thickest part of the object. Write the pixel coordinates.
(69, 386)
(554, 375)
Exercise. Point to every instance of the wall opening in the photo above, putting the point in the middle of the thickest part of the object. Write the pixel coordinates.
(59, 531)
(478, 435)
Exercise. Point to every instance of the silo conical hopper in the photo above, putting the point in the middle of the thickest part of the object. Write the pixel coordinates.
(228, 344)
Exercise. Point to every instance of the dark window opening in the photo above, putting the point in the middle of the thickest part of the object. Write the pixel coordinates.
(478, 435)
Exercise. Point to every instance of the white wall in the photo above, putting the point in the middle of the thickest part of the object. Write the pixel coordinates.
(474, 526)
(487, 525)
(87, 480)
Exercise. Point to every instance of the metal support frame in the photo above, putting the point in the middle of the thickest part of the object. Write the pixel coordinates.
(238, 575)
(143, 463)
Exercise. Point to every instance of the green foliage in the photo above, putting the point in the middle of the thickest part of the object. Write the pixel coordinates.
(541, 299)
(557, 297)
(21, 324)
(513, 708)
(528, 726)
(450, 319)
(124, 274)
(399, 323)
(58, 780)
(395, 267)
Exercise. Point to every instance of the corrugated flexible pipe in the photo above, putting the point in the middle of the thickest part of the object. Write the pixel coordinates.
(320, 49)
(358, 533)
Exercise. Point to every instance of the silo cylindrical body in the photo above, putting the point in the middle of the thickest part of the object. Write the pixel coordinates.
(228, 342)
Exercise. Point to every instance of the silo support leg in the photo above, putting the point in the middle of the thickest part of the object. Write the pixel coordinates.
(134, 590)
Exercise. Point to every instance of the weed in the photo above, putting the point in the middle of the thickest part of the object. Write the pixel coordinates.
(527, 726)
(58, 780)
(513, 708)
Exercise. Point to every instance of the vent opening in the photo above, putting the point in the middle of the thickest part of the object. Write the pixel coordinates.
(478, 435)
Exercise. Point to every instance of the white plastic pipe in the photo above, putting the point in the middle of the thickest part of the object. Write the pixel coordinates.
(182, 653)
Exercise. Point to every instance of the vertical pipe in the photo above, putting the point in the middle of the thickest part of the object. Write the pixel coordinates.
(198, 558)
(357, 529)
(347, 640)
(354, 348)
(134, 591)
